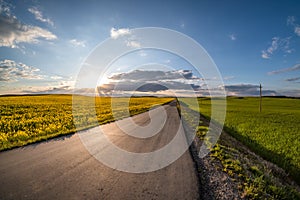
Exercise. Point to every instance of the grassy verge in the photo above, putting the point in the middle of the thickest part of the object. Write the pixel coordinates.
(273, 133)
(255, 177)
(28, 119)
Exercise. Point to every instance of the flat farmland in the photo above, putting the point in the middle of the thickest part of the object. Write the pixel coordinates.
(272, 133)
(28, 119)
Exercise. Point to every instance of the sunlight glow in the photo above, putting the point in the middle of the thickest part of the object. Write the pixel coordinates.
(103, 80)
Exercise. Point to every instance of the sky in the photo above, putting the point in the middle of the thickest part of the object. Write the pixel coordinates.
(44, 44)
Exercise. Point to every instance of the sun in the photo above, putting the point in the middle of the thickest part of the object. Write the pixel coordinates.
(103, 80)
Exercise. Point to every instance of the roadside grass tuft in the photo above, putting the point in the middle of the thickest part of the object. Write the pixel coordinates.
(254, 183)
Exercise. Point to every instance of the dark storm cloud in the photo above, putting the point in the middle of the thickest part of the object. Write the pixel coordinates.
(247, 90)
(151, 81)
(143, 75)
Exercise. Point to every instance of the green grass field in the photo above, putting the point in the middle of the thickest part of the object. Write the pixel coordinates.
(28, 119)
(273, 133)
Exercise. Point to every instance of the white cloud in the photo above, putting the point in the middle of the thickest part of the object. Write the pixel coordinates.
(115, 33)
(13, 32)
(291, 20)
(39, 16)
(182, 25)
(4, 8)
(46, 90)
(56, 77)
(142, 53)
(274, 45)
(232, 37)
(77, 43)
(277, 44)
(19, 78)
(133, 43)
(11, 71)
(297, 30)
(129, 41)
(265, 55)
(228, 78)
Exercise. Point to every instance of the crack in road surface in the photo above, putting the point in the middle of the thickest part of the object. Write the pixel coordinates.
(62, 168)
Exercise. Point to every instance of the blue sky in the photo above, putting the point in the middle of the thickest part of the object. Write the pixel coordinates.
(43, 43)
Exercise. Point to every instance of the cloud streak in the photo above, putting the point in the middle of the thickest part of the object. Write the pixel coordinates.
(274, 45)
(39, 16)
(292, 79)
(291, 20)
(277, 44)
(289, 69)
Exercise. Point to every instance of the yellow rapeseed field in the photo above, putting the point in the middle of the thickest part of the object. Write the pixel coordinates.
(27, 119)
